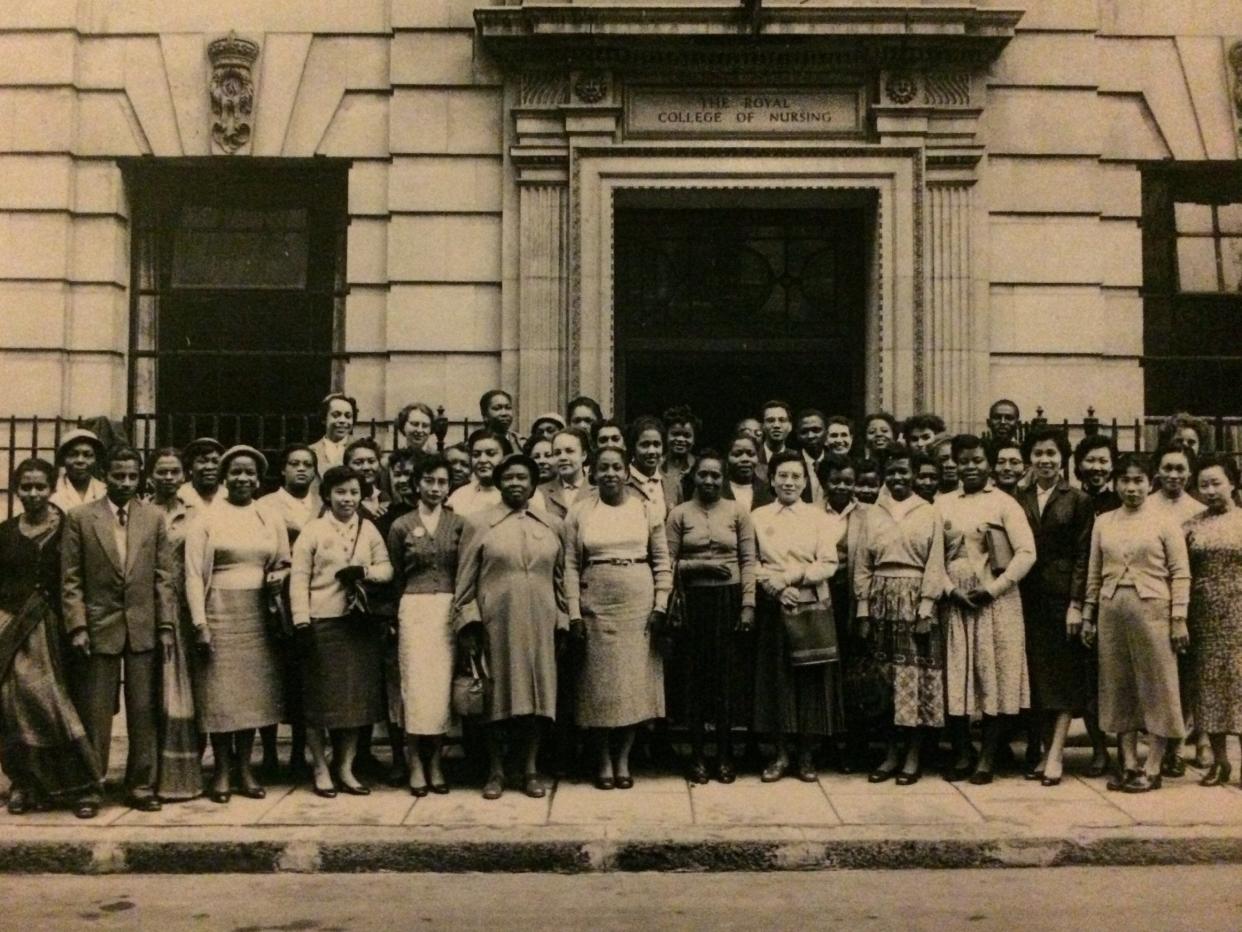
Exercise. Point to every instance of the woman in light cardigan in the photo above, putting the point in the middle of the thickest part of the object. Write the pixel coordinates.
(341, 661)
(1138, 594)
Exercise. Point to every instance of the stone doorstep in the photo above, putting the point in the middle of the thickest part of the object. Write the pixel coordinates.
(580, 849)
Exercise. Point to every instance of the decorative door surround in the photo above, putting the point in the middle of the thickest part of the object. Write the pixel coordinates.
(678, 99)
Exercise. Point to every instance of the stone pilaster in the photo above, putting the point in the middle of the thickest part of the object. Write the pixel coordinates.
(951, 321)
(543, 305)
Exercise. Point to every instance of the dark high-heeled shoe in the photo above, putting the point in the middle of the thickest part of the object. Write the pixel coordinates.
(606, 783)
(533, 786)
(220, 796)
(880, 774)
(418, 791)
(1050, 781)
(981, 778)
(959, 772)
(252, 792)
(1033, 774)
(774, 771)
(1173, 766)
(1099, 766)
(909, 779)
(1118, 781)
(439, 788)
(1217, 774)
(624, 783)
(1143, 783)
(329, 793)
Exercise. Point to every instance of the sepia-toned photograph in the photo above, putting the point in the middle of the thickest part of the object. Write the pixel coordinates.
(610, 464)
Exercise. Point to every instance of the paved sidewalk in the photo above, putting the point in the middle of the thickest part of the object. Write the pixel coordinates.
(662, 823)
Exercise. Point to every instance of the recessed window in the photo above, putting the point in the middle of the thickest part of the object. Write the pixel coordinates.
(238, 287)
(1209, 246)
(1192, 287)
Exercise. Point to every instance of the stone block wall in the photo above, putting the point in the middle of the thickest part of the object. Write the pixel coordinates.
(1085, 91)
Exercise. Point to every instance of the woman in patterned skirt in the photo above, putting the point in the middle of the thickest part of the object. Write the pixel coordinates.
(897, 579)
(1214, 539)
(43, 746)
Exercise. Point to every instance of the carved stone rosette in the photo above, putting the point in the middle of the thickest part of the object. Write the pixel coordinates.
(232, 91)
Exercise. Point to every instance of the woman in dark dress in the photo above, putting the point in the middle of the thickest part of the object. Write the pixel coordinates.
(712, 545)
(1052, 595)
(43, 746)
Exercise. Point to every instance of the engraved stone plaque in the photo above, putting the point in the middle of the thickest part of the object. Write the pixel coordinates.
(715, 111)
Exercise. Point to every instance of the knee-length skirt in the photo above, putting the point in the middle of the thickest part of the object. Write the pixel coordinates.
(1060, 669)
(1138, 669)
(342, 673)
(802, 700)
(621, 680)
(238, 686)
(712, 670)
(425, 658)
(985, 654)
(913, 663)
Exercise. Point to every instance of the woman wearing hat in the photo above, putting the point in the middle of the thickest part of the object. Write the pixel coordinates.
(342, 666)
(546, 425)
(509, 602)
(201, 459)
(76, 455)
(232, 551)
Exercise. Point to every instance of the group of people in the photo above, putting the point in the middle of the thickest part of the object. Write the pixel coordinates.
(806, 585)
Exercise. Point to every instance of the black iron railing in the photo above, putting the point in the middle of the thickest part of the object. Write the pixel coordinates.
(22, 437)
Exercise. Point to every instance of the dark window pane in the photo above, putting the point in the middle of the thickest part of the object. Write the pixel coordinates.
(234, 247)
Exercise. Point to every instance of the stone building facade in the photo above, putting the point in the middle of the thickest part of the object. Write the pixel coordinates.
(915, 205)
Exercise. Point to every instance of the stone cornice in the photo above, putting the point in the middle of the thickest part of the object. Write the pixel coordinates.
(820, 37)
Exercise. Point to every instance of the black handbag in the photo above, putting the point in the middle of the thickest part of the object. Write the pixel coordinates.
(810, 634)
(471, 688)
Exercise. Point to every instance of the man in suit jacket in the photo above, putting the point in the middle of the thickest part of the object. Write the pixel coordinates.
(117, 589)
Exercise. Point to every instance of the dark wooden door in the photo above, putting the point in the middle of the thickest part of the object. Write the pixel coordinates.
(722, 309)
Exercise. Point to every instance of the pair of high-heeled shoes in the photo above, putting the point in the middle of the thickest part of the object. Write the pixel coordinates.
(1218, 774)
(420, 791)
(779, 768)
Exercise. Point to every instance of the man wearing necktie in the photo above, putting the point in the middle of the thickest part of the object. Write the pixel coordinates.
(117, 590)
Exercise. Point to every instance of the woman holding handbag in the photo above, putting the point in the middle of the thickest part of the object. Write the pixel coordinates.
(985, 661)
(342, 674)
(230, 550)
(508, 604)
(424, 546)
(711, 542)
(617, 583)
(797, 681)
